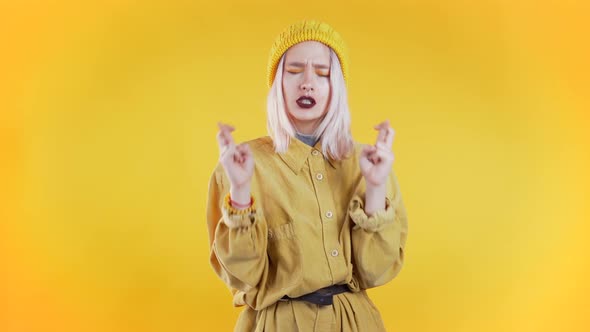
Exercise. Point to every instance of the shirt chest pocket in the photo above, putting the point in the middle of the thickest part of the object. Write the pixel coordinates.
(284, 257)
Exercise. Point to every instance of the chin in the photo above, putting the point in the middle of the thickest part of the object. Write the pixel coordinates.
(306, 114)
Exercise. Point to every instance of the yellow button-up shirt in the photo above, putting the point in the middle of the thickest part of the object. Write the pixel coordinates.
(308, 229)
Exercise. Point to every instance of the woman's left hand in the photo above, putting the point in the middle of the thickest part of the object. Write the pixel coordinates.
(376, 160)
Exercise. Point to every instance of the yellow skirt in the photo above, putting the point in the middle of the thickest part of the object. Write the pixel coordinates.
(351, 312)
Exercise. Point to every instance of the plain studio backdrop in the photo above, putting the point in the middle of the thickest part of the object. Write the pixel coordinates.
(108, 124)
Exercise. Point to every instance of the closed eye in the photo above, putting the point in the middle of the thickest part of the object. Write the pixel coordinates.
(322, 73)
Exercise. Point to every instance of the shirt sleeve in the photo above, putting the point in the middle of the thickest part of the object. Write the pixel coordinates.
(237, 239)
(379, 240)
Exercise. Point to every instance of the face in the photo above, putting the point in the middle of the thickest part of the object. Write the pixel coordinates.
(306, 84)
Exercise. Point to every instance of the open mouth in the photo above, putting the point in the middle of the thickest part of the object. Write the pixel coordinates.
(305, 102)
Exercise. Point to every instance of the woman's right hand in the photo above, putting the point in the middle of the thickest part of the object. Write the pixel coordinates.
(237, 161)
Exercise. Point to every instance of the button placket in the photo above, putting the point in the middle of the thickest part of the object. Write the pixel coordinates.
(329, 228)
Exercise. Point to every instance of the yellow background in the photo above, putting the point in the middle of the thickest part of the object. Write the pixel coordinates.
(108, 120)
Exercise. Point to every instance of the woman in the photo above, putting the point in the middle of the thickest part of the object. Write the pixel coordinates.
(303, 221)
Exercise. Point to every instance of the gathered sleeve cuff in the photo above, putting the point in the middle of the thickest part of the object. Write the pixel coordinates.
(374, 223)
(237, 218)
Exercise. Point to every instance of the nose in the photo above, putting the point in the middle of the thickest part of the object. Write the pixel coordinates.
(307, 85)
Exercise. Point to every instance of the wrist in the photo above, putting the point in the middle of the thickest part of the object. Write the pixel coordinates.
(240, 195)
(240, 206)
(375, 187)
(375, 198)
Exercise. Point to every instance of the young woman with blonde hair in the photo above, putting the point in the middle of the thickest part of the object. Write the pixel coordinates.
(303, 221)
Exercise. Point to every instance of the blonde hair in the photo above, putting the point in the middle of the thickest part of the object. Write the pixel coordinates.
(334, 129)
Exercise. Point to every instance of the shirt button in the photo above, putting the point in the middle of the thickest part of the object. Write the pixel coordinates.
(319, 176)
(329, 214)
(315, 152)
(334, 253)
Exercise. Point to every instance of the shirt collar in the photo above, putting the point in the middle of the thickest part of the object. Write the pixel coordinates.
(298, 152)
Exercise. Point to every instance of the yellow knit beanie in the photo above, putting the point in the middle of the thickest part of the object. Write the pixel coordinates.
(303, 31)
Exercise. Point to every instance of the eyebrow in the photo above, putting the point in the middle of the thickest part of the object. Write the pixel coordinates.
(301, 64)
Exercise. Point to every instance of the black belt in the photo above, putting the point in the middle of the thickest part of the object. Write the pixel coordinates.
(322, 296)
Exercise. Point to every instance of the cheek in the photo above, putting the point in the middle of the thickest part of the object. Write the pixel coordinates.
(289, 88)
(324, 91)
